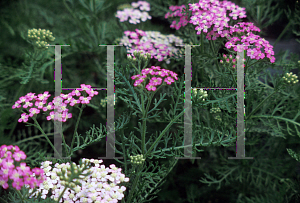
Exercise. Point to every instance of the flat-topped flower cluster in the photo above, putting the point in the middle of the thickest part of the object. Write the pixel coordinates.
(12, 169)
(160, 75)
(58, 103)
(210, 16)
(100, 186)
(136, 13)
(158, 45)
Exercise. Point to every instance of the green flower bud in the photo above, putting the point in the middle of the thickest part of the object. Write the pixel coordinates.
(148, 55)
(129, 57)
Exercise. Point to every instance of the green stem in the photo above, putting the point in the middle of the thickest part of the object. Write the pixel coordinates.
(39, 127)
(234, 80)
(135, 182)
(20, 195)
(145, 113)
(61, 194)
(76, 19)
(196, 145)
(145, 116)
(31, 138)
(75, 130)
(3, 200)
(261, 103)
(144, 126)
(163, 132)
(202, 47)
(212, 45)
(282, 33)
(15, 98)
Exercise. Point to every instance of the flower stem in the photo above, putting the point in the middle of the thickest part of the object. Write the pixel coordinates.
(135, 182)
(39, 127)
(20, 195)
(261, 103)
(202, 47)
(145, 116)
(163, 132)
(61, 194)
(75, 130)
(282, 33)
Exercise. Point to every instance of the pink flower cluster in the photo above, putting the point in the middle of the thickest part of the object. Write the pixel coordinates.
(207, 13)
(213, 14)
(58, 103)
(157, 80)
(177, 12)
(153, 42)
(21, 174)
(135, 14)
(248, 40)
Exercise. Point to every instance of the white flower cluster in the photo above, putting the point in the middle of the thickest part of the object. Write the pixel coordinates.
(40, 35)
(98, 187)
(135, 14)
(290, 78)
(138, 159)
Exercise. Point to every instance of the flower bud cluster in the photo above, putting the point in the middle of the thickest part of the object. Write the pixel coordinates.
(290, 78)
(139, 55)
(200, 93)
(104, 102)
(230, 60)
(138, 159)
(218, 118)
(40, 36)
(215, 110)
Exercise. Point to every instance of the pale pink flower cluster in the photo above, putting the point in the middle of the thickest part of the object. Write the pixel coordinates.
(135, 15)
(11, 169)
(160, 75)
(100, 186)
(153, 42)
(58, 103)
(177, 12)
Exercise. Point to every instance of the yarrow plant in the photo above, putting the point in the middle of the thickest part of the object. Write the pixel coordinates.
(150, 130)
(60, 105)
